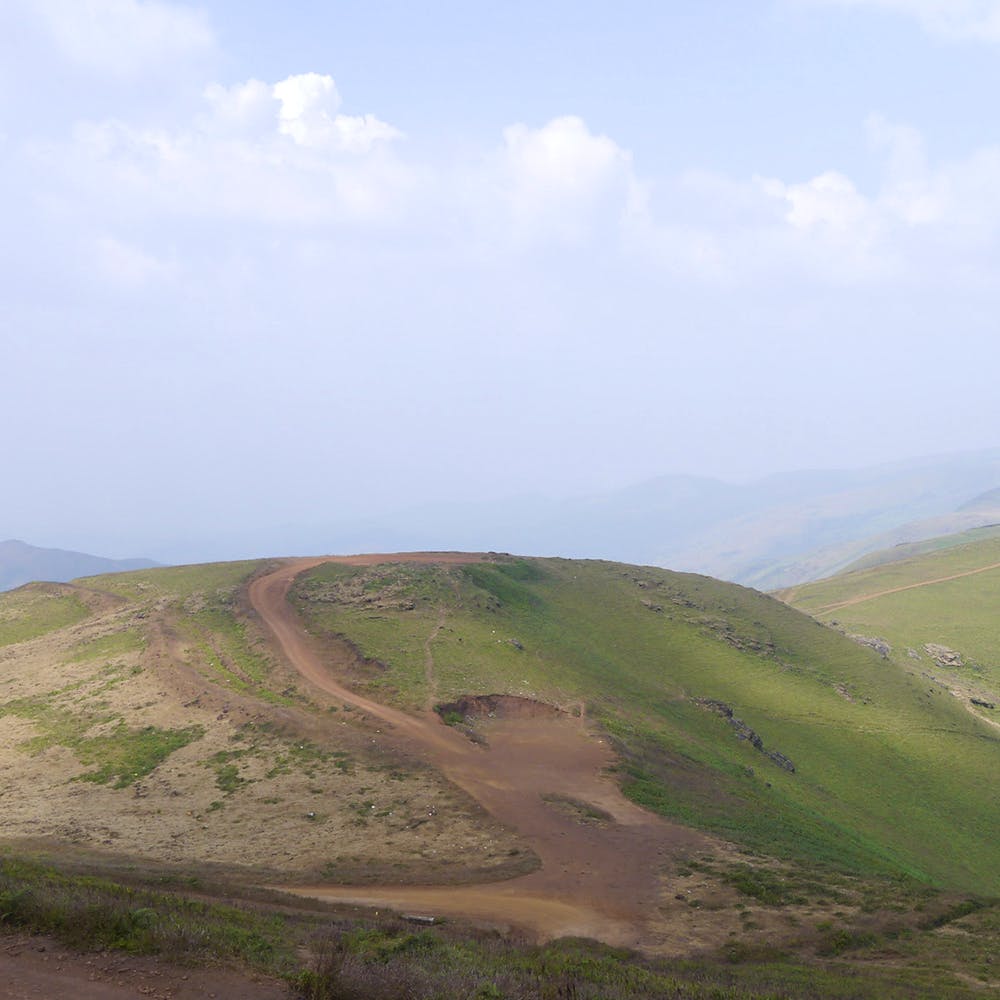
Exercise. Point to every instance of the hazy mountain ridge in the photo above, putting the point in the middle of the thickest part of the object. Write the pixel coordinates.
(768, 533)
(22, 563)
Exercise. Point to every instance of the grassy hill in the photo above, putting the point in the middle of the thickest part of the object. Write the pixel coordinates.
(911, 550)
(881, 770)
(939, 602)
(145, 714)
(149, 727)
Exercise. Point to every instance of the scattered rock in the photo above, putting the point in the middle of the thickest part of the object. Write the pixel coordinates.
(781, 760)
(912, 654)
(943, 656)
(744, 732)
(652, 606)
(873, 642)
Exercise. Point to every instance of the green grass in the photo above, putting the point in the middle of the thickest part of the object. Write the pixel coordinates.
(118, 753)
(108, 646)
(93, 913)
(887, 779)
(960, 614)
(174, 581)
(36, 610)
(912, 550)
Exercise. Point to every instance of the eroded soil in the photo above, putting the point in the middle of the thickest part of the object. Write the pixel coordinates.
(36, 968)
(601, 880)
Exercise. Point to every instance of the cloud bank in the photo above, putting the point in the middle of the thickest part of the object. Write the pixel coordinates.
(950, 19)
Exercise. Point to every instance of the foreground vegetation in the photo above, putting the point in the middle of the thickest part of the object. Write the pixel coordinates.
(322, 954)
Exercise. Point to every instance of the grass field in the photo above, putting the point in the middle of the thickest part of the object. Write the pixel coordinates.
(35, 610)
(924, 607)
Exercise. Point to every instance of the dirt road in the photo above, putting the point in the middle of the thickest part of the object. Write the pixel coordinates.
(861, 598)
(600, 877)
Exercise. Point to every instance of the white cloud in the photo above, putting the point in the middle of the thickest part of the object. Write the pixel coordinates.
(123, 37)
(924, 221)
(277, 153)
(125, 265)
(243, 107)
(953, 19)
(285, 155)
(561, 180)
(828, 202)
(303, 108)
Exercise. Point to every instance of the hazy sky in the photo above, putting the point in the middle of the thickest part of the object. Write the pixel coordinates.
(267, 263)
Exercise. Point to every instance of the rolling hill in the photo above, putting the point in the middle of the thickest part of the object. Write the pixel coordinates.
(652, 759)
(931, 606)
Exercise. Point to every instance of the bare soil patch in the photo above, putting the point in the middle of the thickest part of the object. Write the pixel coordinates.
(596, 880)
(36, 968)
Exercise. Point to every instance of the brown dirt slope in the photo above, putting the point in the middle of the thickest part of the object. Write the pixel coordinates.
(596, 880)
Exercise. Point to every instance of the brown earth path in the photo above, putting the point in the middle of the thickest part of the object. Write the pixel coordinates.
(597, 879)
(39, 968)
(861, 598)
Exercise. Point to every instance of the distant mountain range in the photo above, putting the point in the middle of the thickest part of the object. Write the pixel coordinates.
(769, 533)
(22, 563)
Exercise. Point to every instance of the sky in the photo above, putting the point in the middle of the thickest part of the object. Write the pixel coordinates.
(267, 264)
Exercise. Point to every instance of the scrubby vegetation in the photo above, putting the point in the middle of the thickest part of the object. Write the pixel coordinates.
(326, 956)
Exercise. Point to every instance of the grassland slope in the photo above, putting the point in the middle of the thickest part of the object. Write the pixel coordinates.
(934, 615)
(732, 712)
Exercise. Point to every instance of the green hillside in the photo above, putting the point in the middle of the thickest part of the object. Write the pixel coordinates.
(911, 550)
(946, 597)
(886, 778)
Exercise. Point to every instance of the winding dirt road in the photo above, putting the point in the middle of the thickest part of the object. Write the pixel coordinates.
(599, 880)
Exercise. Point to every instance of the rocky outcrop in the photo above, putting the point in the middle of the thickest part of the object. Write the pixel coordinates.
(873, 642)
(943, 656)
(744, 732)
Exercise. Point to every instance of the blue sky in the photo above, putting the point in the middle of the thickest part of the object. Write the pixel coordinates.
(272, 263)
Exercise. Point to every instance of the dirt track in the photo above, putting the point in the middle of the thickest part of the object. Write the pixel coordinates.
(861, 598)
(598, 879)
